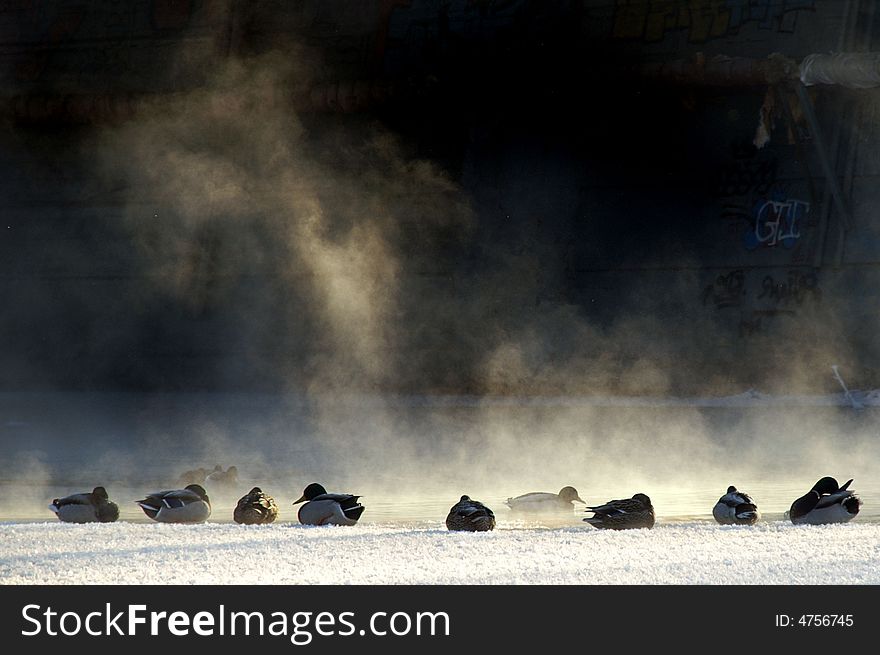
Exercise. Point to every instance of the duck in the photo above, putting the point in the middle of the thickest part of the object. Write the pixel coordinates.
(623, 514)
(735, 508)
(468, 515)
(826, 502)
(255, 508)
(93, 507)
(227, 477)
(188, 505)
(541, 501)
(322, 508)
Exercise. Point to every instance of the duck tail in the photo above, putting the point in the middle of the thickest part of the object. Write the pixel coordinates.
(747, 513)
(852, 504)
(354, 513)
(149, 510)
(484, 523)
(108, 512)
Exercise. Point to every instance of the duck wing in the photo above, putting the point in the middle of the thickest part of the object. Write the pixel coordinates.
(736, 498)
(339, 498)
(74, 499)
(475, 509)
(746, 513)
(536, 501)
(171, 499)
(346, 501)
(534, 497)
(834, 499)
(622, 506)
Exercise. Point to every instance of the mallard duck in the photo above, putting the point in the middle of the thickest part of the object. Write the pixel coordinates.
(322, 508)
(624, 514)
(540, 501)
(189, 505)
(826, 502)
(470, 516)
(735, 507)
(86, 507)
(256, 508)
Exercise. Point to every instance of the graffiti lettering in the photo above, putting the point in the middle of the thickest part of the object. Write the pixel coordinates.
(651, 20)
(778, 297)
(797, 288)
(727, 290)
(776, 222)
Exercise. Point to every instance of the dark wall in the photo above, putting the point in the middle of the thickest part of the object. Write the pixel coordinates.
(537, 214)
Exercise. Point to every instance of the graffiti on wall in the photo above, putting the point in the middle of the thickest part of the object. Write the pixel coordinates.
(793, 290)
(759, 208)
(777, 222)
(746, 178)
(703, 20)
(726, 291)
(757, 304)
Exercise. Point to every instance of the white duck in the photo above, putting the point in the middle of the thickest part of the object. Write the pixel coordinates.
(542, 501)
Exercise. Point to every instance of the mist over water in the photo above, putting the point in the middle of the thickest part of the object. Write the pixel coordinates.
(412, 456)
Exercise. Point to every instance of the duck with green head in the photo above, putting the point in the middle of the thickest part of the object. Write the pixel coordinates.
(826, 502)
(322, 508)
(188, 505)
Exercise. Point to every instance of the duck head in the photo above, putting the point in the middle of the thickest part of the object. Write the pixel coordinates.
(731, 489)
(100, 493)
(826, 485)
(198, 490)
(312, 491)
(570, 495)
(643, 499)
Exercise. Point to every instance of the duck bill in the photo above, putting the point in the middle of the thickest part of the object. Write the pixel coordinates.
(578, 500)
(302, 499)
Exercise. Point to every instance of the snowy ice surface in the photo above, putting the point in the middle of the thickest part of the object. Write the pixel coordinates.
(696, 552)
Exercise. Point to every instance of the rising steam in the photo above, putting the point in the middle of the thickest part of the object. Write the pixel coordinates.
(304, 249)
